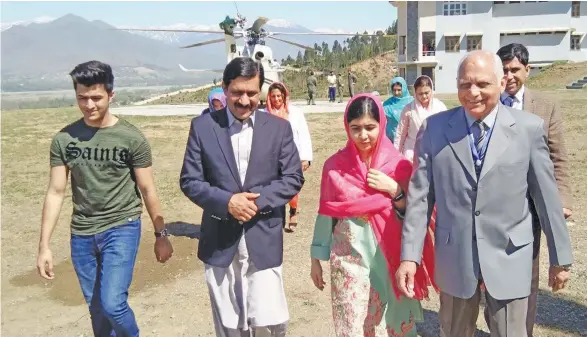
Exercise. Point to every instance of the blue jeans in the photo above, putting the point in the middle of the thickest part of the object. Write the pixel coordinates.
(104, 265)
(331, 94)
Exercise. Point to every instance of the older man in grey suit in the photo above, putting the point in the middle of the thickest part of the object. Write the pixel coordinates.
(477, 163)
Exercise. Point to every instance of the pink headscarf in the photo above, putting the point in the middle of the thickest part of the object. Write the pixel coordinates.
(345, 193)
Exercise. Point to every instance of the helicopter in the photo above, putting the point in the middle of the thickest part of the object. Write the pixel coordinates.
(254, 45)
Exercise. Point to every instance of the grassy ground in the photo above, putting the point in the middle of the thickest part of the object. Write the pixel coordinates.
(171, 299)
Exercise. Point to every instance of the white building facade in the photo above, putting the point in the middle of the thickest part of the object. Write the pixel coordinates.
(434, 35)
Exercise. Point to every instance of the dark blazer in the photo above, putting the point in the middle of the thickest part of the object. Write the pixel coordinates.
(209, 178)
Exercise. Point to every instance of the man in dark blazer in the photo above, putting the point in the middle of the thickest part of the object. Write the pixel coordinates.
(515, 58)
(241, 167)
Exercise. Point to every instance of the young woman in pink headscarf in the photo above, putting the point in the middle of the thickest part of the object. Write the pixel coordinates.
(358, 229)
(278, 104)
(413, 114)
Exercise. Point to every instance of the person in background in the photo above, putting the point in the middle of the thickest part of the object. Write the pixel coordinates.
(339, 87)
(358, 229)
(278, 104)
(311, 83)
(216, 100)
(110, 164)
(331, 87)
(395, 104)
(352, 80)
(413, 114)
(514, 58)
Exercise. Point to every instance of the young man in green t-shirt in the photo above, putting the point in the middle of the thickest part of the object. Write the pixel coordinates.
(110, 164)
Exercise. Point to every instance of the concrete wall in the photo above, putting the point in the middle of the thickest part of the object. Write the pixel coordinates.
(542, 48)
(412, 39)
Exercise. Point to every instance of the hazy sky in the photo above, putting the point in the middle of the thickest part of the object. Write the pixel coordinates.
(349, 16)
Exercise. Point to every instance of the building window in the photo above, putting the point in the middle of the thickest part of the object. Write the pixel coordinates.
(428, 43)
(451, 44)
(402, 45)
(576, 9)
(575, 42)
(402, 72)
(454, 8)
(474, 43)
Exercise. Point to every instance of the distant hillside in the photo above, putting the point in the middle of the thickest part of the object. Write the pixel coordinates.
(373, 74)
(558, 75)
(40, 55)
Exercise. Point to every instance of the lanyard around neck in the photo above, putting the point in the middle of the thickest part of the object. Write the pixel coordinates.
(476, 157)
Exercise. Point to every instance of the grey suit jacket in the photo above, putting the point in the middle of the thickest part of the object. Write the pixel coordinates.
(483, 226)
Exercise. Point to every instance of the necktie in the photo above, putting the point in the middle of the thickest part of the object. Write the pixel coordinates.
(479, 142)
(509, 101)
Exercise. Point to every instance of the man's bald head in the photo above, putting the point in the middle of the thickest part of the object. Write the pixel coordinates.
(484, 57)
(480, 82)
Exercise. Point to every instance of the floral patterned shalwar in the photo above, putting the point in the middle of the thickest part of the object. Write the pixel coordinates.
(363, 300)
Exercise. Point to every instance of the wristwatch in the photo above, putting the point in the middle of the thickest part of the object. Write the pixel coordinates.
(399, 196)
(163, 233)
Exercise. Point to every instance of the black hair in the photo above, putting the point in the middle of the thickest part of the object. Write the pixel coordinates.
(92, 73)
(243, 67)
(363, 106)
(513, 50)
(423, 81)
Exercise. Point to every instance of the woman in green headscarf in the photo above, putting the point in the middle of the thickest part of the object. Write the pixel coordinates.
(394, 105)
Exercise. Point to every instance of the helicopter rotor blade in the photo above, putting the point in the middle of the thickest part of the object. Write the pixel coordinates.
(260, 22)
(172, 30)
(200, 70)
(206, 43)
(332, 34)
(292, 43)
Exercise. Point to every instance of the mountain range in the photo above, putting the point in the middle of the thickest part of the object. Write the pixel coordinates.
(39, 55)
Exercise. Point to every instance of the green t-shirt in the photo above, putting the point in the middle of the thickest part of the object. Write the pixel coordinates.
(103, 183)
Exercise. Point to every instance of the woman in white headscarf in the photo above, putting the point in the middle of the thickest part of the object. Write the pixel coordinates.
(423, 106)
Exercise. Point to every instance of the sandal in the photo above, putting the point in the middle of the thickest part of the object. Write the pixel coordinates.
(292, 212)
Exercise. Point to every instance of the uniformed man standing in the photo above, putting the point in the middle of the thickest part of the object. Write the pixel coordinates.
(352, 81)
(339, 87)
(312, 83)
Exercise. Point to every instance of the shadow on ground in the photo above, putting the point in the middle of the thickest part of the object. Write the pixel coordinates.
(560, 313)
(555, 312)
(148, 273)
(184, 229)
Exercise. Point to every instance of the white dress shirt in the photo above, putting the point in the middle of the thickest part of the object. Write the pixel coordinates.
(241, 137)
(519, 99)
